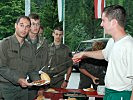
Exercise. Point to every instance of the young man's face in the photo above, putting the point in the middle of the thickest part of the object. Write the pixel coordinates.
(106, 24)
(22, 28)
(35, 26)
(57, 35)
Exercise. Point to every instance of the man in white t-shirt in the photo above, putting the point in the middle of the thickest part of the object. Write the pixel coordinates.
(118, 53)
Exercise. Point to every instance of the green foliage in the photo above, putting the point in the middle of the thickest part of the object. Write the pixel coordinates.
(80, 15)
(78, 33)
(48, 34)
(49, 15)
(9, 11)
(129, 23)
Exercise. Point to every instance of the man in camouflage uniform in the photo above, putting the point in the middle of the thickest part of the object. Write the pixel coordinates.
(40, 46)
(16, 62)
(38, 42)
(60, 62)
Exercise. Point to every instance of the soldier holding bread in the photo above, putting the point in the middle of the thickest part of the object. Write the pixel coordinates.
(16, 62)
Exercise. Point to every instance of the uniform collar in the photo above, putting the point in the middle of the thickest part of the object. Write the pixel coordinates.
(60, 46)
(30, 41)
(14, 38)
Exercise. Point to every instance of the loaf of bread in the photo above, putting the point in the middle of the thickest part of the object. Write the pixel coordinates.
(45, 76)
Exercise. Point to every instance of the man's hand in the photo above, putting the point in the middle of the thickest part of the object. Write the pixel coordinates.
(64, 85)
(23, 82)
(95, 80)
(77, 57)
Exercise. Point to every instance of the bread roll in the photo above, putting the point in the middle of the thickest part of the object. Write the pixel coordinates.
(40, 97)
(45, 76)
(51, 90)
(90, 89)
(71, 99)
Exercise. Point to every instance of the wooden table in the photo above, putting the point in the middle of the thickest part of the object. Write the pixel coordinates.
(59, 95)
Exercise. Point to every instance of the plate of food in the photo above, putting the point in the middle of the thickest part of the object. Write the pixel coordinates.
(40, 82)
(89, 89)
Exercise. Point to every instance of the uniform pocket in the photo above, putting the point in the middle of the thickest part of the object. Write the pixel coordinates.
(26, 59)
(12, 58)
(12, 54)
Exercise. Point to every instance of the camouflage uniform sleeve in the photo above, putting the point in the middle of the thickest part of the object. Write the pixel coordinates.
(69, 57)
(66, 63)
(46, 53)
(8, 75)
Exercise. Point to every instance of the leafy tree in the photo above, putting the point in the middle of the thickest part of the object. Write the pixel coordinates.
(129, 23)
(81, 13)
(78, 33)
(9, 11)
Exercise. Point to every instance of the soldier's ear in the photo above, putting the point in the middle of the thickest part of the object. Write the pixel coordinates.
(15, 25)
(53, 34)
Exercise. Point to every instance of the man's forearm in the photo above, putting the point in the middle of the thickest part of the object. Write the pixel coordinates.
(69, 71)
(9, 74)
(94, 54)
(85, 72)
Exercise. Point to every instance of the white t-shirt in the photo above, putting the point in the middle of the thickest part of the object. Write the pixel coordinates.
(119, 55)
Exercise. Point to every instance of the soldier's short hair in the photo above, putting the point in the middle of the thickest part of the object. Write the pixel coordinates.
(58, 28)
(34, 16)
(116, 12)
(25, 17)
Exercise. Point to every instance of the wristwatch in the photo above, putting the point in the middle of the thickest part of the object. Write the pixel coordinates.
(66, 81)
